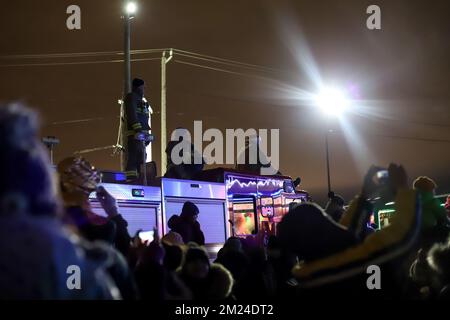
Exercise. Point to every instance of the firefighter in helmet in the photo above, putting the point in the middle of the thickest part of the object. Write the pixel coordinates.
(137, 112)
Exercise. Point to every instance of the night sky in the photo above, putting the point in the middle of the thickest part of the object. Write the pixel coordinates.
(400, 75)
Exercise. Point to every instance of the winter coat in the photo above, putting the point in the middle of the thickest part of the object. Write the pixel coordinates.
(189, 231)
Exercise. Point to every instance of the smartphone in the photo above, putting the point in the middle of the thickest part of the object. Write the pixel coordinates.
(146, 236)
(382, 174)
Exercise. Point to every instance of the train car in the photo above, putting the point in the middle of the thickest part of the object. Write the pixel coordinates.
(231, 203)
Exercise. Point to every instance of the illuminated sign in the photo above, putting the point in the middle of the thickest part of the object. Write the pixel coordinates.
(138, 193)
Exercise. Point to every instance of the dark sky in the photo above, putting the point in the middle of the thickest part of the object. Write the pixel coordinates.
(401, 72)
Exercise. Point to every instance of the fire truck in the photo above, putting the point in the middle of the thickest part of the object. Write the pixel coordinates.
(231, 203)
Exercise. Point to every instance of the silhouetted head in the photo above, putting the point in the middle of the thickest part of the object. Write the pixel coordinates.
(173, 257)
(138, 86)
(190, 211)
(196, 263)
(78, 179)
(233, 244)
(424, 184)
(26, 179)
(438, 259)
(220, 282)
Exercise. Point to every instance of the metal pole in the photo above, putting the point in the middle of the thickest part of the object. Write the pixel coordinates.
(163, 115)
(144, 164)
(126, 85)
(51, 155)
(127, 55)
(328, 161)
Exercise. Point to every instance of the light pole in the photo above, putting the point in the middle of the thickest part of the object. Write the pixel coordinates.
(130, 9)
(328, 161)
(164, 61)
(332, 102)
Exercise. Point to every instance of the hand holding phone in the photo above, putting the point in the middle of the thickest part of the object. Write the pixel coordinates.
(370, 184)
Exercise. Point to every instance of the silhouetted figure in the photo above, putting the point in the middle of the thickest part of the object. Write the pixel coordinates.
(186, 224)
(35, 249)
(186, 166)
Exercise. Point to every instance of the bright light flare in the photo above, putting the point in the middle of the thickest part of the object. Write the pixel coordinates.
(131, 7)
(332, 101)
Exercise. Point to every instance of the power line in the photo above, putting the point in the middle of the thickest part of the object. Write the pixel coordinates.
(220, 70)
(177, 52)
(47, 64)
(204, 57)
(77, 54)
(411, 138)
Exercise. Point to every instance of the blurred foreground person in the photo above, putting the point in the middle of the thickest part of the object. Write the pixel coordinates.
(78, 179)
(447, 206)
(155, 272)
(345, 270)
(233, 258)
(439, 262)
(205, 280)
(36, 253)
(435, 223)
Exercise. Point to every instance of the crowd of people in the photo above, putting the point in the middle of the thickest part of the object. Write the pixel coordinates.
(49, 235)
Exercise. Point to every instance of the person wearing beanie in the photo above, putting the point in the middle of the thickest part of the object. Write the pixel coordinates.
(172, 238)
(233, 258)
(195, 270)
(35, 248)
(186, 224)
(433, 215)
(26, 183)
(137, 115)
(220, 283)
(78, 179)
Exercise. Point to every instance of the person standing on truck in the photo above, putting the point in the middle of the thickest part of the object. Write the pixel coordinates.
(183, 170)
(252, 159)
(137, 112)
(186, 224)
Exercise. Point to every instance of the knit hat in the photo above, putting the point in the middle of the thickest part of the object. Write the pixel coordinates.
(78, 179)
(189, 209)
(424, 183)
(26, 182)
(138, 82)
(173, 238)
(196, 253)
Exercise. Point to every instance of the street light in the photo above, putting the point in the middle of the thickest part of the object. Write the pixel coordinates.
(332, 102)
(130, 8)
